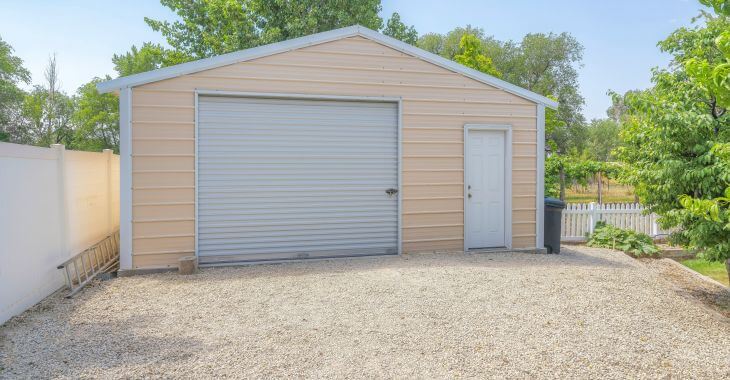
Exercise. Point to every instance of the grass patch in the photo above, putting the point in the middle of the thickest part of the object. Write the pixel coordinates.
(613, 192)
(713, 269)
(588, 198)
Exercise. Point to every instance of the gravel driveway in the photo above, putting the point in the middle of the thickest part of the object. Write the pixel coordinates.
(584, 313)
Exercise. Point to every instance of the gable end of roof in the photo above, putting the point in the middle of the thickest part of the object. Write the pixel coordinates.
(316, 39)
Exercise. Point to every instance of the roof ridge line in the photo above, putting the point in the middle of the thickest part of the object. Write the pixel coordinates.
(316, 39)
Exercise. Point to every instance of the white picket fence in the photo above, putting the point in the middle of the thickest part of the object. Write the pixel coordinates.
(579, 219)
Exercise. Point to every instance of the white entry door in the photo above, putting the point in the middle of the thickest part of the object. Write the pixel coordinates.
(485, 189)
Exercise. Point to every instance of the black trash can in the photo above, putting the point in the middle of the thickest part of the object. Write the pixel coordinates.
(553, 220)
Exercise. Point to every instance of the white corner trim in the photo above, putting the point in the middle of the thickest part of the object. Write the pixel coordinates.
(540, 180)
(125, 179)
(400, 176)
(196, 141)
(315, 39)
(507, 129)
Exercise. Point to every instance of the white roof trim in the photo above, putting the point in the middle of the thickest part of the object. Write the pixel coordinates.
(315, 39)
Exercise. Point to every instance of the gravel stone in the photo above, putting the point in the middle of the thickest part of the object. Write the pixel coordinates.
(586, 313)
(693, 285)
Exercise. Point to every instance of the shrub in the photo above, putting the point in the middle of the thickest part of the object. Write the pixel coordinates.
(635, 243)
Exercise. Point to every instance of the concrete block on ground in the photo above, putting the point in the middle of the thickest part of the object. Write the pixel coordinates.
(188, 265)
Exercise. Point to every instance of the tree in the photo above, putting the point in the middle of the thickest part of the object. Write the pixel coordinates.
(46, 112)
(46, 119)
(712, 218)
(471, 54)
(596, 159)
(148, 57)
(543, 63)
(447, 45)
(397, 29)
(603, 139)
(674, 138)
(618, 109)
(208, 28)
(704, 54)
(212, 27)
(431, 42)
(12, 73)
(471, 47)
(59, 108)
(721, 7)
(96, 117)
(578, 171)
(547, 64)
(285, 19)
(555, 177)
(713, 215)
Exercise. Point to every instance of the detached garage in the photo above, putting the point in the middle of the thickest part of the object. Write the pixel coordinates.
(344, 143)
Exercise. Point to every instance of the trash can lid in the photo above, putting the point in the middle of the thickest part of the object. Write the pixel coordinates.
(554, 202)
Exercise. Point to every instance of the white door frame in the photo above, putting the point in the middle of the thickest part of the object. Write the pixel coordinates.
(241, 94)
(507, 130)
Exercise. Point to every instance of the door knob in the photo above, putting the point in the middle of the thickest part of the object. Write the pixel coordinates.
(469, 195)
(391, 192)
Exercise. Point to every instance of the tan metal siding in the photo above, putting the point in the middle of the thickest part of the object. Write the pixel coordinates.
(436, 105)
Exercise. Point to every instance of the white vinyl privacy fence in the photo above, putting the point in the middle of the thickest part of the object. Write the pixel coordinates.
(54, 203)
(579, 219)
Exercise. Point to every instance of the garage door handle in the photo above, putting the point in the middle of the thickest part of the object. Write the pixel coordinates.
(391, 192)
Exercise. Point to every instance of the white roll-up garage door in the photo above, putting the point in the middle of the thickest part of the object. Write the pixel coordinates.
(285, 179)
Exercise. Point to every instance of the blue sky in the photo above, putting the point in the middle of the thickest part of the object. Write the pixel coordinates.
(619, 36)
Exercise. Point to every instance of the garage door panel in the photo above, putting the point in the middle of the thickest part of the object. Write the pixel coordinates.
(297, 248)
(258, 124)
(308, 144)
(263, 255)
(234, 229)
(266, 212)
(305, 175)
(294, 241)
(284, 179)
(275, 216)
(276, 198)
(303, 194)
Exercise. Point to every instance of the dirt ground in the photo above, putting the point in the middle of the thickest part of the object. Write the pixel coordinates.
(692, 285)
(586, 313)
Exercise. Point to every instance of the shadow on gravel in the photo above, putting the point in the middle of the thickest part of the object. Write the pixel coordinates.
(714, 296)
(70, 349)
(479, 259)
